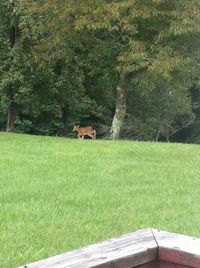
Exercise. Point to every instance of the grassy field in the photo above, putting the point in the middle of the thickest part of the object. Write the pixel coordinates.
(57, 194)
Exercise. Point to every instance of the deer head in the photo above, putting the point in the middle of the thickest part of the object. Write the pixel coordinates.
(75, 127)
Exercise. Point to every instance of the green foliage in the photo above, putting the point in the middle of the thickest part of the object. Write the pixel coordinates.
(61, 61)
(166, 109)
(148, 48)
(193, 131)
(23, 125)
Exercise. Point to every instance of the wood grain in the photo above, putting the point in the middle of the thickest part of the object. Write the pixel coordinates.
(127, 251)
(163, 264)
(147, 248)
(178, 249)
(153, 264)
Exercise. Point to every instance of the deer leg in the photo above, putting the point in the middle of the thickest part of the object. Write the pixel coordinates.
(94, 134)
(90, 135)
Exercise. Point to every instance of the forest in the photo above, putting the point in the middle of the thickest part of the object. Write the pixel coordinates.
(128, 68)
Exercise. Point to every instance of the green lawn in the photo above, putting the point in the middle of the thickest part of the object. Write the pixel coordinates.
(57, 194)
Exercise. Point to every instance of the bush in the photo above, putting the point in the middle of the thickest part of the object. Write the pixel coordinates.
(23, 126)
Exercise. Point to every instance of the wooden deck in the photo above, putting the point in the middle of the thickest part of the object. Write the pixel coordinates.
(147, 248)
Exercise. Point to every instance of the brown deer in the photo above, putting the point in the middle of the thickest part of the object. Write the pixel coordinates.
(85, 131)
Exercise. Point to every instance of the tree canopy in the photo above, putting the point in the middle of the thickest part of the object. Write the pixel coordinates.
(129, 68)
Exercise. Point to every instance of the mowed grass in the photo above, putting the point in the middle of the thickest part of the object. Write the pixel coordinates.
(58, 194)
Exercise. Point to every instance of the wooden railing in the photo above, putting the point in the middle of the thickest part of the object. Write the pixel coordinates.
(147, 248)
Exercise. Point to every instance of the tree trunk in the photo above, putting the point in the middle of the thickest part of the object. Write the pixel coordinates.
(157, 135)
(120, 108)
(65, 118)
(11, 117)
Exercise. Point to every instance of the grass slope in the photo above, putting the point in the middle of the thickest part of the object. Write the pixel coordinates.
(58, 194)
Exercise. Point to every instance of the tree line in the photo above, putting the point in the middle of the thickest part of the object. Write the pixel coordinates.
(129, 68)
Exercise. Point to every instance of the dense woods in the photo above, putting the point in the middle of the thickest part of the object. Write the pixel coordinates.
(128, 68)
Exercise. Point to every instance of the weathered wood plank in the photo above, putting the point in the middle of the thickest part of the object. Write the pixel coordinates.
(164, 264)
(127, 251)
(178, 249)
(161, 264)
(153, 264)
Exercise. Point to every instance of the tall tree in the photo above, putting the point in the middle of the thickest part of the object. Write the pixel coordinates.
(147, 35)
(14, 67)
(96, 53)
(59, 48)
(9, 35)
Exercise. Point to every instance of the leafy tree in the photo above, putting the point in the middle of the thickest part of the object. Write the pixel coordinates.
(15, 70)
(59, 50)
(166, 109)
(128, 64)
(192, 133)
(147, 38)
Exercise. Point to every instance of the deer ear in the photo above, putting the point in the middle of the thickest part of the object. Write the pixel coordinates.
(78, 126)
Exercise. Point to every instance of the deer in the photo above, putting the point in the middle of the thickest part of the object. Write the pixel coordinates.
(85, 131)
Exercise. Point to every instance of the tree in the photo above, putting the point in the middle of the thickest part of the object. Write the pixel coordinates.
(14, 67)
(147, 36)
(59, 50)
(89, 62)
